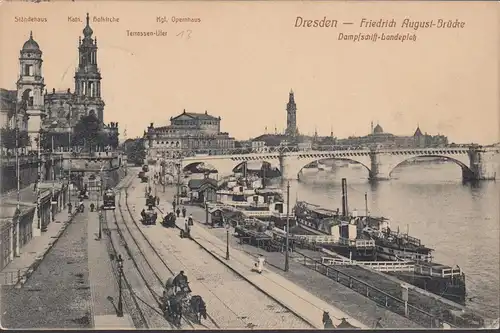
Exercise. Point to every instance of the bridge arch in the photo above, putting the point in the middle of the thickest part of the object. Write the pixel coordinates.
(362, 163)
(193, 167)
(462, 164)
(239, 167)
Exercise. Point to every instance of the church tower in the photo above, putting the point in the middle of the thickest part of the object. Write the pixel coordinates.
(88, 76)
(291, 116)
(30, 86)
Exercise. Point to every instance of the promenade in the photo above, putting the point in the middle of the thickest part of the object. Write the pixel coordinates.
(345, 301)
(57, 293)
(63, 277)
(289, 294)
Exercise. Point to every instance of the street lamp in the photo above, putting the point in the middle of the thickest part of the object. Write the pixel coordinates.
(287, 224)
(178, 165)
(227, 240)
(101, 217)
(120, 274)
(206, 212)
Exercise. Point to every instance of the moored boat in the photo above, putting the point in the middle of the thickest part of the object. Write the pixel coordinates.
(368, 238)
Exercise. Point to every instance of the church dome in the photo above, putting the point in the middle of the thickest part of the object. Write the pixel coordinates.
(378, 129)
(31, 45)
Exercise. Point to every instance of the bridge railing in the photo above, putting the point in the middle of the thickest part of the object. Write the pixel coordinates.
(322, 148)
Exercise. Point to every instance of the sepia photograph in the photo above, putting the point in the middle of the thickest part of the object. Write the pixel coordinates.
(253, 165)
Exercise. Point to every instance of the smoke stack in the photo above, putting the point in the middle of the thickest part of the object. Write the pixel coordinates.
(344, 197)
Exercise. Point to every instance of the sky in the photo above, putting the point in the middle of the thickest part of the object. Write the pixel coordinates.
(242, 59)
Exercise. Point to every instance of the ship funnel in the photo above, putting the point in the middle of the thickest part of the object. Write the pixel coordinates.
(345, 209)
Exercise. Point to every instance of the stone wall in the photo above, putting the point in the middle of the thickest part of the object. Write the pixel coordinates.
(8, 179)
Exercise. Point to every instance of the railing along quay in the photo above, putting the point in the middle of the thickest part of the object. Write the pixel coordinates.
(379, 296)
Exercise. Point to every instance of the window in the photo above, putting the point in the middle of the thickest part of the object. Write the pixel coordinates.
(28, 70)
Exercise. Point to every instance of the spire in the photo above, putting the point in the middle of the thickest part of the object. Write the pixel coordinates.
(31, 34)
(87, 31)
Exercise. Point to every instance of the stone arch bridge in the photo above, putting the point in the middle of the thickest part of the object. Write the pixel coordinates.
(476, 163)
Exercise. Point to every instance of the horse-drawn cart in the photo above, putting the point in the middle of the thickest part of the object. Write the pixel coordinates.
(174, 303)
(148, 217)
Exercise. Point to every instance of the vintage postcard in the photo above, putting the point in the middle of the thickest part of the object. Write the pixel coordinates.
(263, 165)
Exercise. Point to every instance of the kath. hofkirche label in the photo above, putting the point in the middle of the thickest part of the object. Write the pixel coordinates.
(408, 33)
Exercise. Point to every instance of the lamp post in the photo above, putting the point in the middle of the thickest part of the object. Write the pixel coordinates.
(227, 240)
(287, 224)
(178, 165)
(206, 212)
(120, 274)
(101, 216)
(69, 151)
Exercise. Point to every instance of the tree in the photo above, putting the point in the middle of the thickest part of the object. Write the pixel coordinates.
(135, 151)
(8, 138)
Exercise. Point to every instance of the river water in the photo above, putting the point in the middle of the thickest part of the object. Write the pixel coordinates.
(459, 221)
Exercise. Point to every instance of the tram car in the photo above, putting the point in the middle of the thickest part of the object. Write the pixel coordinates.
(109, 200)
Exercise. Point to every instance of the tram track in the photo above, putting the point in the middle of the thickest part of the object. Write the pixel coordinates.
(228, 309)
(143, 322)
(152, 262)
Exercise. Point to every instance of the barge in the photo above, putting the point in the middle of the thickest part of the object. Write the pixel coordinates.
(367, 238)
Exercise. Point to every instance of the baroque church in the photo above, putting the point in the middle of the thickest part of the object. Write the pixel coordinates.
(55, 111)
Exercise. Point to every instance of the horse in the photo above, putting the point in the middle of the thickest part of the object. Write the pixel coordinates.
(175, 309)
(198, 307)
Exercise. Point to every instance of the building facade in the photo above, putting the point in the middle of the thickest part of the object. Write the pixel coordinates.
(380, 139)
(64, 108)
(57, 111)
(187, 133)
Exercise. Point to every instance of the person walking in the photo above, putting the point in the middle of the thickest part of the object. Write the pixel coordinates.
(183, 211)
(178, 212)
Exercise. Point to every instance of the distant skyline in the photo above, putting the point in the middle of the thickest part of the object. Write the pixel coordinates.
(242, 59)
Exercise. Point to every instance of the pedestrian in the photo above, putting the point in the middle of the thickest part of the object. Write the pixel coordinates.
(157, 201)
(178, 212)
(70, 206)
(183, 211)
(190, 220)
(259, 265)
(173, 204)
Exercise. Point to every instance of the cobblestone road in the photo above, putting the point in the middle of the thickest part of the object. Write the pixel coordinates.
(57, 295)
(231, 301)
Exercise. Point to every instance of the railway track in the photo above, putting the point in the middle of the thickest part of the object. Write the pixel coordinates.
(150, 266)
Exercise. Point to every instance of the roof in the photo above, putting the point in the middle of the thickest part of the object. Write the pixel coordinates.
(87, 31)
(197, 184)
(31, 45)
(418, 132)
(378, 129)
(200, 116)
(271, 140)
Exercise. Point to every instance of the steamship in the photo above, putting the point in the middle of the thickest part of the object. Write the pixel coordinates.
(368, 238)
